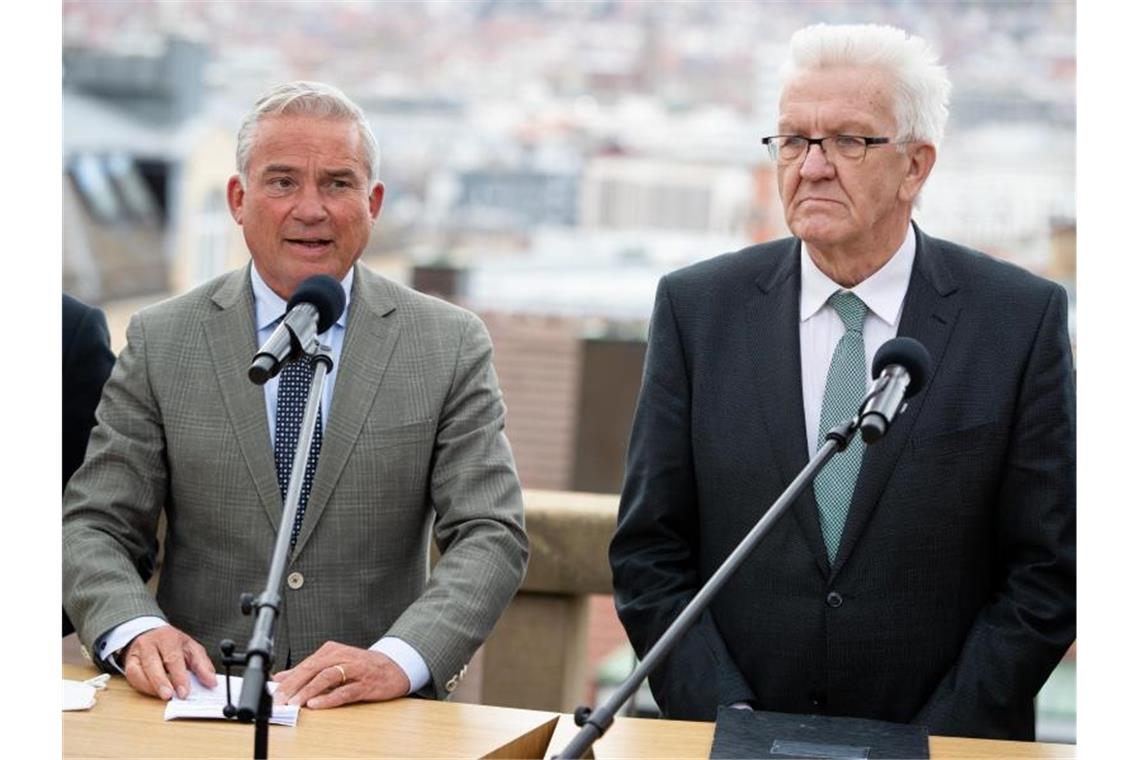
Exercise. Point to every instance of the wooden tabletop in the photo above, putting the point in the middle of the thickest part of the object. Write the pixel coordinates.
(125, 724)
(647, 738)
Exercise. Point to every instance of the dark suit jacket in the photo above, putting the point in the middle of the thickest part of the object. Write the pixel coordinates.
(87, 362)
(953, 592)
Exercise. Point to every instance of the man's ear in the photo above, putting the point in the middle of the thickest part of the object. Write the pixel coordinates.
(376, 200)
(235, 197)
(921, 159)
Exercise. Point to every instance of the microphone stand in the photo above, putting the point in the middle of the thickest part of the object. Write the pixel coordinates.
(255, 703)
(594, 724)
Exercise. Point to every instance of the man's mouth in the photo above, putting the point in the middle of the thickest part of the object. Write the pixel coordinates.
(313, 243)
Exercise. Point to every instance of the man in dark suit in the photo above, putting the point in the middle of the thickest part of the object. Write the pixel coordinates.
(929, 578)
(87, 362)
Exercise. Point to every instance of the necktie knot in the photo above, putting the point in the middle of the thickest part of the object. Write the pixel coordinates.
(850, 308)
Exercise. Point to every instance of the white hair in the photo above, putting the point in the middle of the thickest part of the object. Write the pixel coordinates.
(922, 88)
(314, 99)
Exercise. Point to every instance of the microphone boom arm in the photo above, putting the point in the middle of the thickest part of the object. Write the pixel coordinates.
(595, 724)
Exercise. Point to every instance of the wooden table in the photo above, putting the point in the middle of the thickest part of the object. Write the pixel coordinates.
(647, 738)
(125, 724)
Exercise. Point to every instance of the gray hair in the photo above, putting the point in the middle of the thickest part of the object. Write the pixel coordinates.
(922, 88)
(314, 99)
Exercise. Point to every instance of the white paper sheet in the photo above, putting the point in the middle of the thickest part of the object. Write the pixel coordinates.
(203, 702)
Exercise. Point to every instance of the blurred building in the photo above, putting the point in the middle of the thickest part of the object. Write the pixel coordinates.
(641, 193)
(145, 170)
(570, 384)
(507, 199)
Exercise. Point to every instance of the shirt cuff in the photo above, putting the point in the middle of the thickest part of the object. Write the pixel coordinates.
(407, 659)
(741, 706)
(109, 644)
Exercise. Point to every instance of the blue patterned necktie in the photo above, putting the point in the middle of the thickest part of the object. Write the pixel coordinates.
(292, 394)
(846, 387)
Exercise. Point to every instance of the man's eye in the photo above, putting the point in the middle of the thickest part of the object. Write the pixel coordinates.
(847, 141)
(280, 183)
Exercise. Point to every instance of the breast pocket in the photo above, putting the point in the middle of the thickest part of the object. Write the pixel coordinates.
(962, 469)
(395, 459)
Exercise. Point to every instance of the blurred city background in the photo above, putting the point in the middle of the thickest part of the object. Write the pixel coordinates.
(545, 164)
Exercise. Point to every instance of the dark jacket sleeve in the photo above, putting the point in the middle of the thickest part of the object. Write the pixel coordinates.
(654, 550)
(1019, 637)
(87, 362)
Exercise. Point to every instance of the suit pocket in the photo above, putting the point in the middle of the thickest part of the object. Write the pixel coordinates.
(390, 465)
(955, 442)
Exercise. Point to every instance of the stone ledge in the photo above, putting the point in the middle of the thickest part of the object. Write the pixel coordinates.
(570, 535)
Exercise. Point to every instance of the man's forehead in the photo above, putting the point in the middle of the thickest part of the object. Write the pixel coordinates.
(834, 116)
(289, 140)
(856, 96)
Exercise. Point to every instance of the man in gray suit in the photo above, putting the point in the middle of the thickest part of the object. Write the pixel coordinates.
(411, 445)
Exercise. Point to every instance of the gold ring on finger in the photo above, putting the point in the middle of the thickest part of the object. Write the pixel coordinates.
(343, 675)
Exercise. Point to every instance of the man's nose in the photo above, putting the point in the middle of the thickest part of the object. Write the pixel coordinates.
(815, 164)
(310, 207)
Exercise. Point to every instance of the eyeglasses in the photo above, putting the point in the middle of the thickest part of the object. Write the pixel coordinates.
(784, 149)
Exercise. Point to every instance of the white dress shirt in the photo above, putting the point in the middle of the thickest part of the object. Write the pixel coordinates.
(821, 328)
(268, 310)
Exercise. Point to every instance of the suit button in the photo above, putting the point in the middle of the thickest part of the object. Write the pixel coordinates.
(295, 581)
(818, 699)
(834, 599)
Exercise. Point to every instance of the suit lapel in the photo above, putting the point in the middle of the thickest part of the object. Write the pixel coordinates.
(773, 323)
(232, 341)
(369, 340)
(930, 311)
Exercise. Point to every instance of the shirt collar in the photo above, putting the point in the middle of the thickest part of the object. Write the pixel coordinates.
(270, 307)
(883, 292)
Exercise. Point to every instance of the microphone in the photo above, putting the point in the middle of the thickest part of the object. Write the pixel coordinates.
(900, 368)
(315, 306)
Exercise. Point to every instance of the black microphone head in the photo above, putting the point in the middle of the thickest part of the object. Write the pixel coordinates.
(909, 354)
(325, 294)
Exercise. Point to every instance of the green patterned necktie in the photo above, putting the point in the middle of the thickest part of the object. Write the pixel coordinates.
(846, 386)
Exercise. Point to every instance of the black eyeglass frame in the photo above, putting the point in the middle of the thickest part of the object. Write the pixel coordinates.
(868, 142)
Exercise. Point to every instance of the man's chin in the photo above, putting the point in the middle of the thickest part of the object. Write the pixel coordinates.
(817, 234)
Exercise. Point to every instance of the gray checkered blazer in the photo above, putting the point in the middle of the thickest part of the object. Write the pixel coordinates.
(414, 443)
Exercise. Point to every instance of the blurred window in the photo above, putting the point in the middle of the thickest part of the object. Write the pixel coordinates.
(95, 188)
(131, 188)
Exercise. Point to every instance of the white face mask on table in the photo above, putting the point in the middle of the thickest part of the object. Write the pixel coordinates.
(80, 695)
